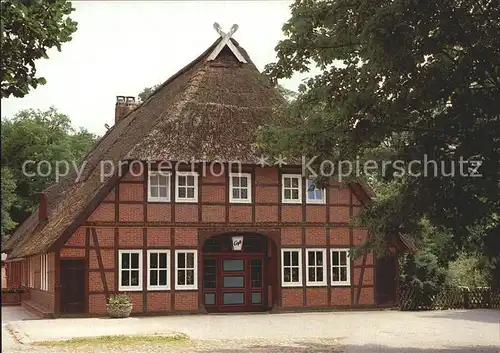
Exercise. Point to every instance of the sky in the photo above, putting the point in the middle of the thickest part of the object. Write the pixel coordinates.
(121, 47)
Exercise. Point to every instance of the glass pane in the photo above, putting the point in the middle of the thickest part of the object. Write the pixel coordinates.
(182, 193)
(209, 273)
(236, 193)
(236, 181)
(335, 258)
(233, 282)
(163, 191)
(286, 259)
(287, 182)
(153, 179)
(190, 277)
(286, 274)
(162, 180)
(134, 260)
(209, 298)
(319, 258)
(295, 274)
(256, 273)
(295, 258)
(153, 260)
(343, 273)
(311, 258)
(232, 265)
(163, 260)
(154, 191)
(336, 274)
(181, 277)
(295, 182)
(343, 258)
(244, 193)
(256, 298)
(312, 274)
(181, 260)
(134, 278)
(182, 180)
(288, 194)
(163, 277)
(153, 277)
(244, 182)
(190, 193)
(318, 194)
(233, 298)
(190, 260)
(319, 274)
(295, 194)
(190, 180)
(125, 278)
(311, 195)
(125, 261)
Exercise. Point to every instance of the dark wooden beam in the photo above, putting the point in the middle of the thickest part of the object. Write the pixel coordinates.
(99, 261)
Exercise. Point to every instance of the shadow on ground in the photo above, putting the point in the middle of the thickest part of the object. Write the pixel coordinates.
(479, 315)
(326, 348)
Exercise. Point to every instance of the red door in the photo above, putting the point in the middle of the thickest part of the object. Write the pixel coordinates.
(234, 282)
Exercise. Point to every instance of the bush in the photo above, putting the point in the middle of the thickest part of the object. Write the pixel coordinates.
(468, 270)
(119, 299)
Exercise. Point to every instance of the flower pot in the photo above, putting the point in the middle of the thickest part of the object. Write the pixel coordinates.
(119, 310)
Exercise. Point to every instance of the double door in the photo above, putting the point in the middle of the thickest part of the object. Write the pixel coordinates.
(234, 283)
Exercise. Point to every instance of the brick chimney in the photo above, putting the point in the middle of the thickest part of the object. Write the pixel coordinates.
(124, 105)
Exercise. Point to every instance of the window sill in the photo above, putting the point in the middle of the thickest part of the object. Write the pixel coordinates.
(314, 284)
(292, 202)
(156, 200)
(158, 289)
(340, 284)
(129, 289)
(189, 288)
(186, 200)
(291, 285)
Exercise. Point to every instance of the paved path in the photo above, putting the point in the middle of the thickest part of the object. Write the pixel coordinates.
(459, 331)
(9, 314)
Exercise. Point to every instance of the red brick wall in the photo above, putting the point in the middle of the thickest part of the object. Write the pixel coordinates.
(125, 216)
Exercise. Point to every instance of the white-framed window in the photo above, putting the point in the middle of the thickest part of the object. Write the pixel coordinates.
(44, 272)
(159, 186)
(291, 267)
(291, 188)
(186, 269)
(240, 187)
(186, 188)
(158, 269)
(316, 267)
(340, 267)
(314, 195)
(130, 270)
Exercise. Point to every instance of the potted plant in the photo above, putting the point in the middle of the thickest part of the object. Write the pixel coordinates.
(119, 306)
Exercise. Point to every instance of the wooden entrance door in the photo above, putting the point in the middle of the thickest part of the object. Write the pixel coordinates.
(234, 283)
(73, 286)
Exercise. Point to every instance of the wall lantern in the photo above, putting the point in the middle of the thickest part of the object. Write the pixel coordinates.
(237, 242)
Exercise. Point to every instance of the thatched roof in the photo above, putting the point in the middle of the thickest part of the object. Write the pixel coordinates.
(209, 110)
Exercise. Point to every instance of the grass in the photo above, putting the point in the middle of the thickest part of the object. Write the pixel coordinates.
(118, 341)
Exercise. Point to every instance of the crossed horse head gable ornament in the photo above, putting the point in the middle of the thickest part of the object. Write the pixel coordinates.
(226, 40)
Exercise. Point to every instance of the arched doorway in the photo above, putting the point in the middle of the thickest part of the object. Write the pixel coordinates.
(236, 272)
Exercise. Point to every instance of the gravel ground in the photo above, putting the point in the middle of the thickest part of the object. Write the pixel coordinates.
(459, 331)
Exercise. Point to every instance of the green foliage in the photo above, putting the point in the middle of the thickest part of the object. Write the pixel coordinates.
(468, 270)
(146, 92)
(35, 135)
(8, 198)
(29, 30)
(415, 78)
(119, 299)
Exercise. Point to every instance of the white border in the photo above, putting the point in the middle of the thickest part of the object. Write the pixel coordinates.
(348, 259)
(291, 284)
(187, 286)
(158, 287)
(249, 187)
(283, 200)
(158, 198)
(129, 288)
(316, 283)
(177, 198)
(321, 201)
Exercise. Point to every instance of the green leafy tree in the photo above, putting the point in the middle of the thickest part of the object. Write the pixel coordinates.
(32, 137)
(428, 71)
(8, 199)
(29, 30)
(469, 270)
(146, 92)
